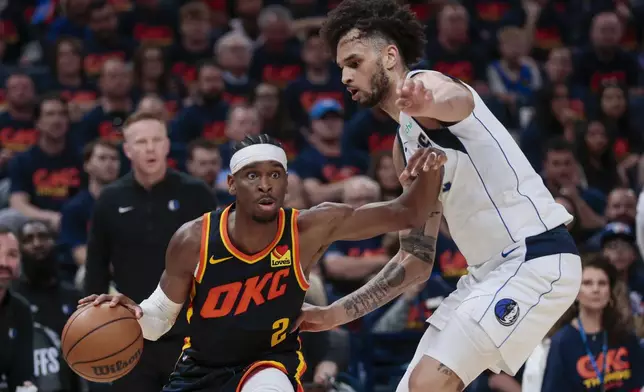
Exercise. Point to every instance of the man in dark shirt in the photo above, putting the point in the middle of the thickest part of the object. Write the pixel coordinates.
(134, 219)
(44, 177)
(16, 325)
(233, 52)
(52, 302)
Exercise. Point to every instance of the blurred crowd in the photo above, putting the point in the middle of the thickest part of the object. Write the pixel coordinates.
(565, 78)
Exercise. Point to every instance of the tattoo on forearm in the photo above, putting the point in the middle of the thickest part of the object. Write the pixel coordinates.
(418, 244)
(377, 292)
(442, 369)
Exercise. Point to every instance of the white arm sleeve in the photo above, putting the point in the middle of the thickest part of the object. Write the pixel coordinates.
(159, 314)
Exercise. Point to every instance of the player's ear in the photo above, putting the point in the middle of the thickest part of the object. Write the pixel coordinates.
(391, 57)
(232, 187)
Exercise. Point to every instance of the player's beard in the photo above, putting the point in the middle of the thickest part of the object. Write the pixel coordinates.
(379, 86)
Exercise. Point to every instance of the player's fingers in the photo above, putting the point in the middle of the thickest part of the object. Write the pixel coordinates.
(430, 161)
(402, 103)
(101, 298)
(138, 312)
(115, 300)
(412, 162)
(442, 159)
(399, 87)
(298, 323)
(419, 87)
(87, 299)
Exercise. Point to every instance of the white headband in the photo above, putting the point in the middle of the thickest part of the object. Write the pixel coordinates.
(257, 153)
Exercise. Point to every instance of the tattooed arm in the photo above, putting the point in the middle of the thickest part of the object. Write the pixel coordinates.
(411, 265)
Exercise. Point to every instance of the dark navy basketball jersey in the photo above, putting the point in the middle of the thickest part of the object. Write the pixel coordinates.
(243, 307)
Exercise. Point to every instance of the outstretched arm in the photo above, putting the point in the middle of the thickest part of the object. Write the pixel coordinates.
(333, 221)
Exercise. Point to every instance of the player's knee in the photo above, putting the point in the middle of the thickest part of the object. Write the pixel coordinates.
(429, 375)
(268, 380)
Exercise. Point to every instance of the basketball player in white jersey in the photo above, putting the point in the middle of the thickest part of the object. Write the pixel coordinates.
(524, 267)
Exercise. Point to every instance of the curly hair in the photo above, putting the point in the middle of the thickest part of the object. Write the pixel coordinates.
(617, 318)
(385, 18)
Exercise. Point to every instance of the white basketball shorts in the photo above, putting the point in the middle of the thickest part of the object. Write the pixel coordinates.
(503, 308)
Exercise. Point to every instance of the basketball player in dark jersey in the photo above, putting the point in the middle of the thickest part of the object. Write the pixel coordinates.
(244, 270)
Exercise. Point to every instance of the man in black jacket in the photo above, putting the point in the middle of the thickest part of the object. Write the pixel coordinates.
(134, 219)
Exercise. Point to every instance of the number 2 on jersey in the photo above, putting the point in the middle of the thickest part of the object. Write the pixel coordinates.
(279, 335)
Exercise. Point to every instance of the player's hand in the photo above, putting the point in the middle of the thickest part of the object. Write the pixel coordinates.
(424, 159)
(413, 97)
(114, 300)
(318, 318)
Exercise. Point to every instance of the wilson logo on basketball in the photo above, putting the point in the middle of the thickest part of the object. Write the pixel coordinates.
(116, 367)
(281, 256)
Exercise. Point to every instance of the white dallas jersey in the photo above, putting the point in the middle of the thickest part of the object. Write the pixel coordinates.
(491, 195)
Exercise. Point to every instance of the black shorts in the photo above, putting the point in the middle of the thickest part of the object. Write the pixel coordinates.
(191, 376)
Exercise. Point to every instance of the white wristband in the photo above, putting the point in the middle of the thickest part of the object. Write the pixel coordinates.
(159, 314)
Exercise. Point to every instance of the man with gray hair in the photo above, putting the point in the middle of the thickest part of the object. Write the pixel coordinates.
(277, 58)
(233, 52)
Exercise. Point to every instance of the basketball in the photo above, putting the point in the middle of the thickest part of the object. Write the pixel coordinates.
(102, 344)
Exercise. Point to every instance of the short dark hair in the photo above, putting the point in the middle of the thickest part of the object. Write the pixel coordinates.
(6, 230)
(559, 144)
(46, 98)
(88, 150)
(205, 64)
(50, 230)
(386, 18)
(256, 139)
(200, 143)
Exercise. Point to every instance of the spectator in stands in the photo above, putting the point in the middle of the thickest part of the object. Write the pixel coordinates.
(44, 177)
(114, 105)
(152, 76)
(561, 176)
(204, 161)
(17, 122)
(68, 78)
(207, 116)
(153, 104)
(368, 132)
(613, 112)
(15, 35)
(234, 52)
(246, 13)
(150, 22)
(597, 158)
(52, 302)
(451, 52)
(604, 60)
(277, 59)
(618, 246)
(316, 82)
(322, 165)
(243, 120)
(348, 264)
(194, 45)
(16, 322)
(558, 67)
(101, 163)
(103, 41)
(620, 207)
(593, 330)
(268, 101)
(515, 77)
(72, 21)
(382, 170)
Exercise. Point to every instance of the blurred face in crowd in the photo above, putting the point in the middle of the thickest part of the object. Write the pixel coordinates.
(204, 163)
(560, 102)
(68, 60)
(329, 127)
(621, 253)
(613, 102)
(513, 47)
(9, 259)
(275, 30)
(104, 164)
(21, 92)
(363, 71)
(267, 101)
(248, 8)
(386, 173)
(153, 105)
(621, 206)
(560, 167)
(242, 122)
(559, 65)
(147, 146)
(211, 84)
(36, 240)
(196, 29)
(116, 79)
(104, 23)
(315, 53)
(594, 293)
(596, 138)
(606, 31)
(234, 53)
(152, 63)
(53, 121)
(360, 191)
(453, 23)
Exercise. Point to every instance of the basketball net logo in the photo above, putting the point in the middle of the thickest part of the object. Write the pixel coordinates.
(281, 256)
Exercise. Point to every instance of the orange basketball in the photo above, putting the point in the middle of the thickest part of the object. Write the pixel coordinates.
(102, 344)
